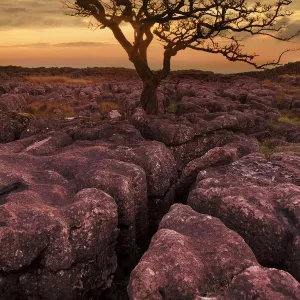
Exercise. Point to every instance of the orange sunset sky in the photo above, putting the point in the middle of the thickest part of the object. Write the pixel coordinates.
(38, 33)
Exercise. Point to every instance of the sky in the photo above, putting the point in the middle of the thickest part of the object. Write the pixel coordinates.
(39, 33)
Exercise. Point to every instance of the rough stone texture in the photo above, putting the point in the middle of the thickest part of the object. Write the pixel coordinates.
(11, 126)
(115, 115)
(119, 132)
(214, 157)
(262, 283)
(70, 206)
(258, 199)
(153, 157)
(127, 184)
(210, 122)
(50, 252)
(12, 102)
(172, 130)
(195, 256)
(196, 148)
(167, 129)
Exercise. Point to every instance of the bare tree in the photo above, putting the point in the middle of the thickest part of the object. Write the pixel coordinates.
(214, 26)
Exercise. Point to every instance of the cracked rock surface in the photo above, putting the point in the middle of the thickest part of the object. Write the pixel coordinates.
(69, 208)
(87, 179)
(195, 256)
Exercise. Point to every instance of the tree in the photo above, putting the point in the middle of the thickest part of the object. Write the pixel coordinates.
(214, 26)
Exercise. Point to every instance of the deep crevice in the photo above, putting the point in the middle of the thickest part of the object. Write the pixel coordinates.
(15, 187)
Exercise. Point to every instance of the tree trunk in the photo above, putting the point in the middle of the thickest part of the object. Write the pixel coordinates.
(148, 98)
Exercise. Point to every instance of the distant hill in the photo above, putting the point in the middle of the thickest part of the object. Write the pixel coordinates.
(72, 72)
(292, 68)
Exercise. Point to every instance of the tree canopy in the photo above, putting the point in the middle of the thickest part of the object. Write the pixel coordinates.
(213, 26)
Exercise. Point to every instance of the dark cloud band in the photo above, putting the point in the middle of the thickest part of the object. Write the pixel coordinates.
(35, 14)
(71, 44)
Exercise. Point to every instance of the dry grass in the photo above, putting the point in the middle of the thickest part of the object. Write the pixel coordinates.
(267, 83)
(49, 110)
(57, 80)
(282, 89)
(172, 107)
(107, 106)
(268, 148)
(289, 117)
(290, 76)
(279, 98)
(288, 120)
(286, 117)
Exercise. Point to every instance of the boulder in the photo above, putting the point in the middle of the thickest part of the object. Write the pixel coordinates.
(49, 143)
(153, 157)
(195, 256)
(114, 115)
(12, 102)
(57, 253)
(127, 184)
(214, 157)
(166, 129)
(118, 132)
(262, 283)
(257, 198)
(11, 126)
(177, 130)
(196, 148)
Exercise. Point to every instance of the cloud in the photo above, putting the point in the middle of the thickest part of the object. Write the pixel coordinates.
(67, 45)
(35, 14)
(83, 44)
(47, 14)
(12, 10)
(292, 29)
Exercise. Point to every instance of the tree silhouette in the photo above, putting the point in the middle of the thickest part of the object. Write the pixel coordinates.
(214, 26)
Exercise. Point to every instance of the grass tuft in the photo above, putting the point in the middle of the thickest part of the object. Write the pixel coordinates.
(49, 110)
(289, 117)
(268, 148)
(172, 107)
(107, 106)
(289, 120)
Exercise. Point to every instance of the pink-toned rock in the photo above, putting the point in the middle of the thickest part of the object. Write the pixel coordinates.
(196, 148)
(11, 126)
(214, 157)
(118, 132)
(156, 160)
(50, 144)
(258, 199)
(195, 256)
(55, 253)
(169, 130)
(127, 184)
(12, 102)
(262, 283)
